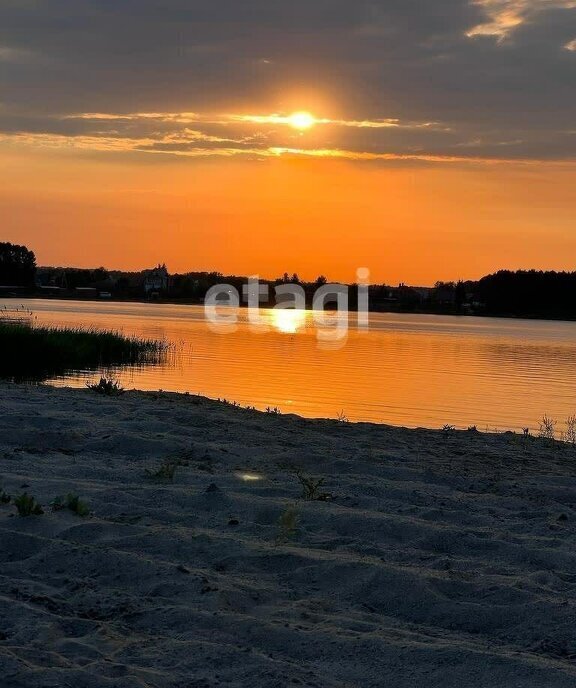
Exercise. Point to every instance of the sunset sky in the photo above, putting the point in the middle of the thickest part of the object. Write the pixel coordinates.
(423, 140)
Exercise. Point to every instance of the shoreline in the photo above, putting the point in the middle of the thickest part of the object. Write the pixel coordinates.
(434, 558)
(190, 302)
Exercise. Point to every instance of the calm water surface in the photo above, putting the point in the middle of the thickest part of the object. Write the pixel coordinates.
(414, 370)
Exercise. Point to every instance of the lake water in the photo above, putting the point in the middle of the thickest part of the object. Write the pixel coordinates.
(412, 370)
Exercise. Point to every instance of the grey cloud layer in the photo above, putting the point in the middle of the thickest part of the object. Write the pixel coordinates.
(496, 75)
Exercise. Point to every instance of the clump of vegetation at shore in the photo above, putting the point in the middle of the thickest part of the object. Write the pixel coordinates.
(108, 387)
(34, 354)
(71, 502)
(27, 506)
(547, 429)
(570, 435)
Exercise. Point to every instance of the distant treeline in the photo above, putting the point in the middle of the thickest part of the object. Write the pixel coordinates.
(529, 293)
(524, 293)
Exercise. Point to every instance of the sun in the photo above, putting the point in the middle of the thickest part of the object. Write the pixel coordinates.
(301, 120)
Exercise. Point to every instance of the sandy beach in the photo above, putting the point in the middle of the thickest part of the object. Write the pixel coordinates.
(431, 559)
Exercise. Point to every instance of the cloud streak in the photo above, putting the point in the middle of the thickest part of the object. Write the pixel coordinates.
(283, 119)
(504, 16)
(257, 138)
(400, 77)
(196, 147)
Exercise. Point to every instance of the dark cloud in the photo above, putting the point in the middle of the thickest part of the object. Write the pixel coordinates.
(508, 94)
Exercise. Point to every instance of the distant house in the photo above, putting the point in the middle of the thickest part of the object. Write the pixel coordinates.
(86, 292)
(444, 294)
(10, 290)
(423, 292)
(156, 280)
(50, 289)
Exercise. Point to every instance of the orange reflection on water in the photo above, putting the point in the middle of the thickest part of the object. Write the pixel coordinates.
(409, 370)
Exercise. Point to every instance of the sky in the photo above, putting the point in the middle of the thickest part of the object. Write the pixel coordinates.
(438, 139)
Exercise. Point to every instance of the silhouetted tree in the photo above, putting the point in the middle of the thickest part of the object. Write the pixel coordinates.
(17, 265)
(460, 295)
(85, 277)
(444, 294)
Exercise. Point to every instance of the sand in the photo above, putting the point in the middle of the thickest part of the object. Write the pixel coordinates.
(434, 559)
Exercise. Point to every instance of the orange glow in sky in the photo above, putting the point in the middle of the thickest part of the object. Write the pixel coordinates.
(423, 141)
(413, 224)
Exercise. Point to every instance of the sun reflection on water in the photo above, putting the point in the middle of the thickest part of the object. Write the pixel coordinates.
(288, 320)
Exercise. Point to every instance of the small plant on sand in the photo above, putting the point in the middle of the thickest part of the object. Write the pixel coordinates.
(274, 410)
(71, 502)
(227, 402)
(448, 429)
(570, 435)
(165, 472)
(4, 496)
(342, 417)
(526, 437)
(311, 488)
(547, 429)
(287, 525)
(27, 505)
(107, 386)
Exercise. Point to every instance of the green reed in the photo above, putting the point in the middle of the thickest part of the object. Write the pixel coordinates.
(34, 353)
